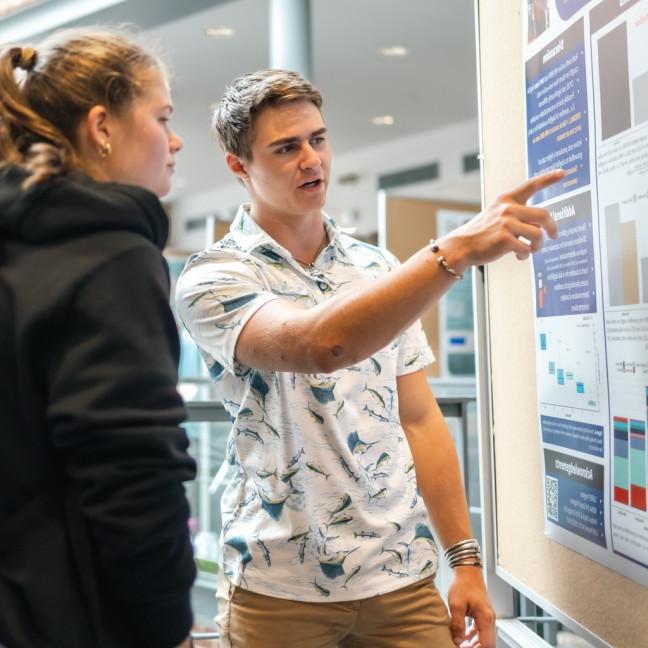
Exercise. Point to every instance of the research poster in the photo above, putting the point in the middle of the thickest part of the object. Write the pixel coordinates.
(586, 98)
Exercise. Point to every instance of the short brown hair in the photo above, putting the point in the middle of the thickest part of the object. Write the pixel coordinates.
(44, 93)
(233, 120)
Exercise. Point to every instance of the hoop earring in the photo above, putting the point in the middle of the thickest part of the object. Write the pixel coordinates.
(104, 149)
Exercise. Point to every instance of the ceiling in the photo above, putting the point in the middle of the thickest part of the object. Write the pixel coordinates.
(434, 85)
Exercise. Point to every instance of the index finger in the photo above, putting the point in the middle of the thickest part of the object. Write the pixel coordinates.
(522, 193)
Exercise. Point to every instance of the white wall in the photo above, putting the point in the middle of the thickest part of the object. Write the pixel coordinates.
(355, 204)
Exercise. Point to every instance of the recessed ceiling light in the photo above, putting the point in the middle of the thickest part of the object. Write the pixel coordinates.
(220, 32)
(396, 50)
(383, 120)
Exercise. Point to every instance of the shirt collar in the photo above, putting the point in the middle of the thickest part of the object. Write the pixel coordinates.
(250, 237)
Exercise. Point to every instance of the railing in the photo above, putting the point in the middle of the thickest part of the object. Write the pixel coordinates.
(197, 636)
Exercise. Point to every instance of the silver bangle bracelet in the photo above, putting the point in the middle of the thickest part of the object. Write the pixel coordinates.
(462, 544)
(474, 563)
(464, 553)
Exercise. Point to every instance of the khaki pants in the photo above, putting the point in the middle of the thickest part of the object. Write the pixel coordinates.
(412, 617)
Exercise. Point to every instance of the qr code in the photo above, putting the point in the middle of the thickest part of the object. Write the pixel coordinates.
(551, 496)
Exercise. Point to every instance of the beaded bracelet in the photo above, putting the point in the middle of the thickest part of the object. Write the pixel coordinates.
(434, 246)
(465, 553)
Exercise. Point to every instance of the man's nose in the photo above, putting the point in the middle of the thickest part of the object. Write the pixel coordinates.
(309, 159)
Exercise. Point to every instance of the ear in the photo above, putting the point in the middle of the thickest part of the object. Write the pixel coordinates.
(98, 126)
(236, 166)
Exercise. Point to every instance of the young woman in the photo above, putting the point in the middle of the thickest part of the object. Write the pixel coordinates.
(94, 542)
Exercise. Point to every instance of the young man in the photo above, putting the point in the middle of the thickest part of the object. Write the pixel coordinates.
(341, 461)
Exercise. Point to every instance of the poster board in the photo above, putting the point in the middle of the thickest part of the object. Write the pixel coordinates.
(605, 603)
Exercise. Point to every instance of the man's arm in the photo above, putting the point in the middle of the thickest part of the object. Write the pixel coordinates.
(440, 484)
(283, 336)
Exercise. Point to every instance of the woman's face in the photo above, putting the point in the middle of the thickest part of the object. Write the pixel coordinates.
(143, 147)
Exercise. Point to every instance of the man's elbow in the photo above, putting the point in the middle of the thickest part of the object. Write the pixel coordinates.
(329, 356)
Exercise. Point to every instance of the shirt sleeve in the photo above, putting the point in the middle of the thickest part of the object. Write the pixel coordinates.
(114, 416)
(216, 297)
(414, 352)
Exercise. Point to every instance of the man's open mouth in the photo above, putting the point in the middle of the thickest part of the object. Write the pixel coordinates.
(311, 184)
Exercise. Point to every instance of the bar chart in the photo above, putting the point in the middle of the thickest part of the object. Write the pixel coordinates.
(614, 83)
(621, 463)
(630, 460)
(638, 464)
(622, 80)
(627, 267)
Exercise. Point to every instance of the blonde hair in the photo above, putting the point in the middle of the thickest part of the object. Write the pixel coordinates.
(45, 93)
(233, 119)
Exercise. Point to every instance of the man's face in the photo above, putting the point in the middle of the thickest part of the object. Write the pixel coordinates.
(288, 171)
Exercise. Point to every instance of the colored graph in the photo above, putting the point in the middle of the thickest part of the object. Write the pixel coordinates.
(614, 83)
(570, 356)
(638, 464)
(621, 465)
(630, 460)
(627, 267)
(623, 80)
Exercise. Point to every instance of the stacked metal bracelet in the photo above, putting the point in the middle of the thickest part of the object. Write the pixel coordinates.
(465, 553)
(434, 246)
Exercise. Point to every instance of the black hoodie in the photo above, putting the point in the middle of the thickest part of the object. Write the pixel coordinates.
(94, 542)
